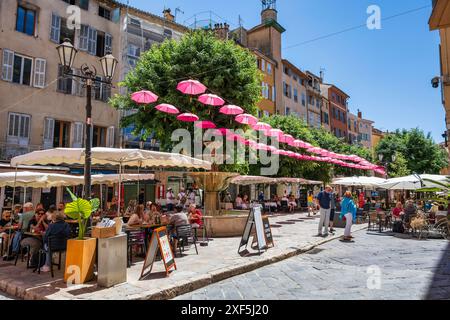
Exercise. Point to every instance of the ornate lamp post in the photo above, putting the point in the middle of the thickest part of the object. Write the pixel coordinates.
(67, 54)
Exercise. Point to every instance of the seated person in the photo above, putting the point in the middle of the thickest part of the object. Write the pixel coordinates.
(24, 221)
(195, 216)
(38, 225)
(176, 219)
(17, 212)
(292, 203)
(59, 232)
(137, 218)
(398, 211)
(131, 209)
(409, 210)
(245, 202)
(238, 202)
(441, 213)
(5, 233)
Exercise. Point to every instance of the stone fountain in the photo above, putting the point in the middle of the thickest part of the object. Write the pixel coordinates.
(218, 223)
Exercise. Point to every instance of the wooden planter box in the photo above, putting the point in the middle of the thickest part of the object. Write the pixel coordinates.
(80, 259)
(103, 233)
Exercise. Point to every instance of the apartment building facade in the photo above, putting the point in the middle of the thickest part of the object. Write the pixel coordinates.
(353, 128)
(294, 91)
(139, 31)
(440, 20)
(365, 128)
(267, 106)
(338, 110)
(39, 108)
(314, 100)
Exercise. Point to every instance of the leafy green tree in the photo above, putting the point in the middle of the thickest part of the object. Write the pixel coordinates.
(399, 168)
(318, 137)
(227, 69)
(421, 153)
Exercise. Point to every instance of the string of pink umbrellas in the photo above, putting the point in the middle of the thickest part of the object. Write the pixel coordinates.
(195, 88)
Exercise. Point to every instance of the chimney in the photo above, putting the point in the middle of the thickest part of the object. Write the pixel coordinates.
(359, 114)
(168, 15)
(222, 30)
(268, 15)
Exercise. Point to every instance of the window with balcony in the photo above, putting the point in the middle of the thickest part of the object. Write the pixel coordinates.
(26, 20)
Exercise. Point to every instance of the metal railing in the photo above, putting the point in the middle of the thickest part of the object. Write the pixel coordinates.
(9, 150)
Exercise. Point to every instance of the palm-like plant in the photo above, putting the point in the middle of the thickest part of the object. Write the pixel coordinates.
(81, 210)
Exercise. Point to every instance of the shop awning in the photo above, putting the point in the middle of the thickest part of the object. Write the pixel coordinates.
(49, 180)
(111, 156)
(359, 181)
(249, 180)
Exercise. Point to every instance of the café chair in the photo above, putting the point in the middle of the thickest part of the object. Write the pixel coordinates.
(22, 252)
(55, 245)
(373, 221)
(135, 238)
(184, 234)
(284, 206)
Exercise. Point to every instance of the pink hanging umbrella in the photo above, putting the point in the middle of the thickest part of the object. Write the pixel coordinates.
(188, 117)
(211, 100)
(287, 138)
(261, 146)
(247, 119)
(222, 131)
(262, 126)
(167, 108)
(191, 87)
(144, 97)
(231, 110)
(205, 125)
(274, 133)
(276, 151)
(315, 150)
(271, 149)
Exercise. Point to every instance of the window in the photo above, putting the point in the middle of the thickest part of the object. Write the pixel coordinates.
(311, 119)
(25, 20)
(105, 13)
(303, 99)
(99, 137)
(168, 34)
(7, 65)
(287, 90)
(78, 135)
(64, 83)
(60, 31)
(318, 103)
(287, 111)
(18, 126)
(326, 118)
(134, 51)
(61, 134)
(269, 68)
(263, 65)
(295, 95)
(295, 77)
(22, 70)
(83, 4)
(92, 41)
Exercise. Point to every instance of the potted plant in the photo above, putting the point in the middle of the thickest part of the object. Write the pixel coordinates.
(80, 255)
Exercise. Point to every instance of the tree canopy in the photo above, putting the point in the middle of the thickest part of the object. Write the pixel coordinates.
(225, 68)
(415, 151)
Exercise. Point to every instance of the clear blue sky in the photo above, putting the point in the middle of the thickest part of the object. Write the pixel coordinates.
(386, 72)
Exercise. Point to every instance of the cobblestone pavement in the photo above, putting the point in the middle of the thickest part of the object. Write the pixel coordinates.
(293, 234)
(408, 269)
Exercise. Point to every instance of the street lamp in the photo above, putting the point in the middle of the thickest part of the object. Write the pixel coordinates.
(387, 162)
(67, 54)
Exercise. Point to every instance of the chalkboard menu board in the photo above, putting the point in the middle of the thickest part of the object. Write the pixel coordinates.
(263, 233)
(160, 240)
(303, 198)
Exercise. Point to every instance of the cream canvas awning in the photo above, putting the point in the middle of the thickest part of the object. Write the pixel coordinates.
(359, 181)
(111, 156)
(49, 180)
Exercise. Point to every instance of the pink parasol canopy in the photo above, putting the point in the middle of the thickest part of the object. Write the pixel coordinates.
(286, 138)
(167, 108)
(211, 100)
(246, 119)
(222, 132)
(191, 87)
(274, 133)
(205, 125)
(231, 110)
(262, 126)
(188, 117)
(144, 97)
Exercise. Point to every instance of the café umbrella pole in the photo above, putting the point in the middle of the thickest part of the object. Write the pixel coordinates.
(12, 213)
(120, 190)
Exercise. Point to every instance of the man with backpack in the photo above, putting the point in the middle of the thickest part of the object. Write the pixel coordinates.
(324, 203)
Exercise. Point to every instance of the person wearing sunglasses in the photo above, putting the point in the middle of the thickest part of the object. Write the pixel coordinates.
(38, 225)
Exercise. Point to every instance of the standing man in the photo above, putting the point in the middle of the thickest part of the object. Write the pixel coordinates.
(170, 199)
(324, 203)
(333, 210)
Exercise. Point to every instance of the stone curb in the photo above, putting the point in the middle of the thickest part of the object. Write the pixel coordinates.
(15, 289)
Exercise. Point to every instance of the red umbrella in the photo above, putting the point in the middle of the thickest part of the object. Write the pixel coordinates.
(246, 119)
(205, 125)
(211, 100)
(231, 110)
(262, 126)
(191, 87)
(144, 97)
(188, 117)
(167, 108)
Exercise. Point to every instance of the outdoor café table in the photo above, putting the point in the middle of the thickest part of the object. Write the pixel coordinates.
(148, 228)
